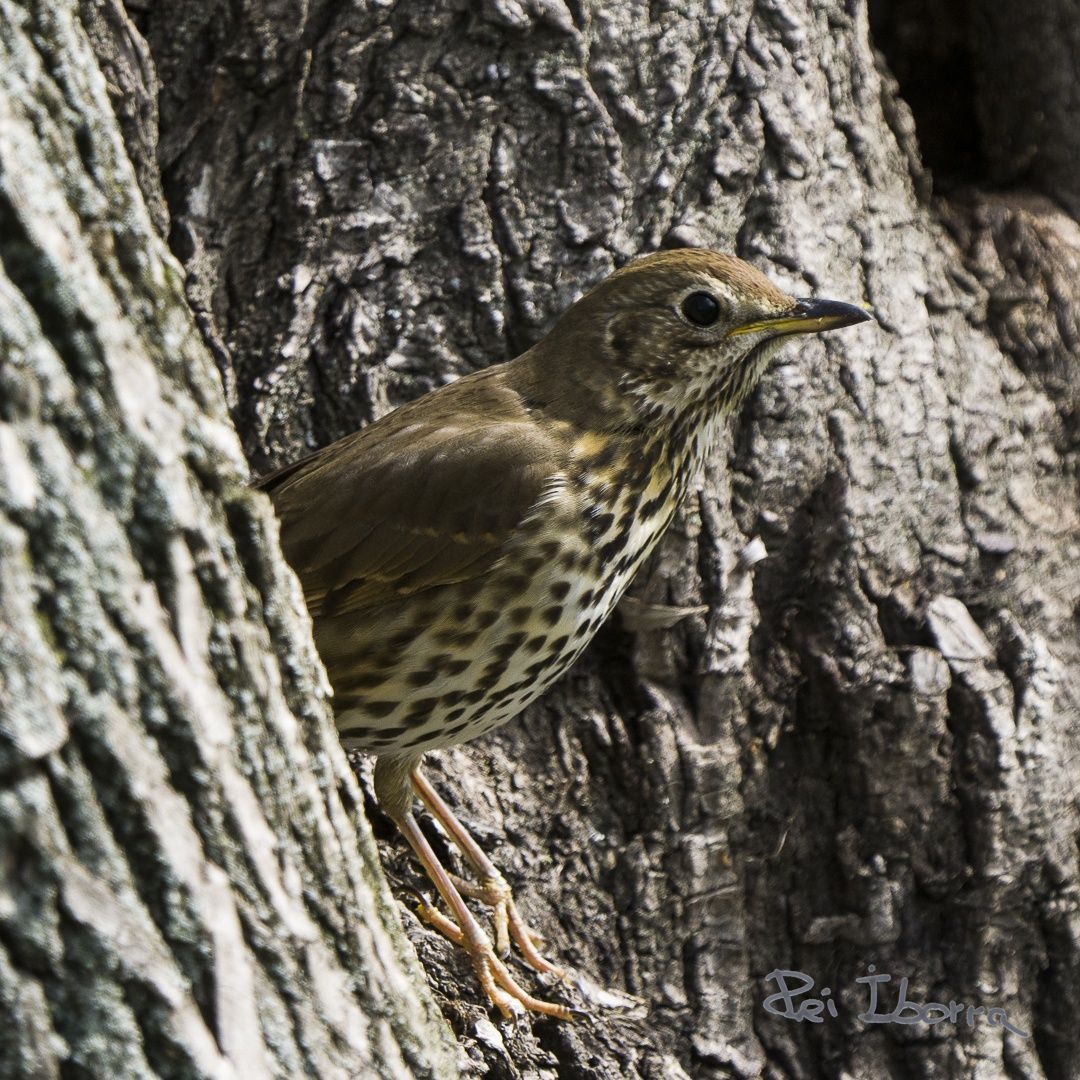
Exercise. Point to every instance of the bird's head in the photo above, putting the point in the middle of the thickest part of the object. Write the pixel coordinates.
(680, 330)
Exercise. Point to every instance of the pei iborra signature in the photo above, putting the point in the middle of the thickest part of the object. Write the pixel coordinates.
(797, 984)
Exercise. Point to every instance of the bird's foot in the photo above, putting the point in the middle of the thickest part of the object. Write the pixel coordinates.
(501, 987)
(491, 888)
(494, 891)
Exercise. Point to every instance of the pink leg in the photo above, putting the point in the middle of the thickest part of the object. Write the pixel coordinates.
(498, 983)
(493, 889)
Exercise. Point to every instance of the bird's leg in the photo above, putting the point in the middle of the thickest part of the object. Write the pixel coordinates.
(497, 982)
(492, 889)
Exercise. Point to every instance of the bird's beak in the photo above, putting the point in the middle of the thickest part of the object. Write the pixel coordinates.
(807, 317)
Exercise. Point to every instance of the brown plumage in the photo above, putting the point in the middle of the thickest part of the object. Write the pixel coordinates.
(457, 555)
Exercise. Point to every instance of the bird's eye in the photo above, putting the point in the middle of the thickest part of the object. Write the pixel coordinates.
(701, 308)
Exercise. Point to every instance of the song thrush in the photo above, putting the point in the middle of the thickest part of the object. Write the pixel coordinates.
(458, 554)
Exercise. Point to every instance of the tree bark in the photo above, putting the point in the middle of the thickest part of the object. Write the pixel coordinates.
(864, 751)
(187, 888)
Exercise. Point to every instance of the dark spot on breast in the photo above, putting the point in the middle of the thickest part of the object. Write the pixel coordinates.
(534, 644)
(380, 708)
(560, 590)
(381, 739)
(453, 714)
(531, 564)
(612, 548)
(550, 615)
(383, 660)
(486, 619)
(363, 680)
(489, 676)
(452, 698)
(515, 583)
(422, 678)
(355, 731)
(511, 690)
(510, 645)
(650, 508)
(421, 707)
(560, 643)
(403, 637)
(456, 667)
(519, 615)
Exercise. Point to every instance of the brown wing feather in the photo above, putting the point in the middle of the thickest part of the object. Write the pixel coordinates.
(429, 495)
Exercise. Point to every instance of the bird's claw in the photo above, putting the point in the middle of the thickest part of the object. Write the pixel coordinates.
(505, 993)
(449, 929)
(509, 925)
(501, 987)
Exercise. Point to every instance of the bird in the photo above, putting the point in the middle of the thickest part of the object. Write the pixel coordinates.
(458, 554)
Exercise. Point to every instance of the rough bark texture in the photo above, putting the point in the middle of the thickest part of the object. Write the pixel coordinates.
(186, 887)
(865, 751)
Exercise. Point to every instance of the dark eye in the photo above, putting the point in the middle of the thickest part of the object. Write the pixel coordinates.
(701, 308)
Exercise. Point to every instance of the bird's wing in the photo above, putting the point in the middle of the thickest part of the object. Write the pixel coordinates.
(415, 501)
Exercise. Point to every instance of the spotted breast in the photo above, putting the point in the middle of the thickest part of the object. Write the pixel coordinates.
(469, 656)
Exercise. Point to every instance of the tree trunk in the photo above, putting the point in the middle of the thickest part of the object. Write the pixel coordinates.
(863, 752)
(187, 887)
